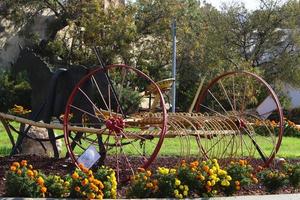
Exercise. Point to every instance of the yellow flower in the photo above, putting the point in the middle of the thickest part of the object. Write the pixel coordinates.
(213, 182)
(214, 160)
(177, 182)
(173, 171)
(211, 171)
(30, 167)
(66, 184)
(237, 183)
(35, 172)
(214, 192)
(30, 173)
(181, 187)
(186, 188)
(77, 188)
(91, 196)
(228, 178)
(208, 183)
(13, 168)
(40, 180)
(225, 183)
(16, 164)
(222, 172)
(43, 189)
(185, 193)
(75, 175)
(149, 185)
(99, 197)
(176, 192)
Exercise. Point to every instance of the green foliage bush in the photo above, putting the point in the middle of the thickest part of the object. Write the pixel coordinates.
(13, 91)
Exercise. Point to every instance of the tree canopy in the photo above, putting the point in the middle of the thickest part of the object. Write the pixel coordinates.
(209, 41)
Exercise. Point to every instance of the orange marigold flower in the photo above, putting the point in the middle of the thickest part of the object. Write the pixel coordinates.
(77, 188)
(13, 168)
(194, 164)
(24, 163)
(183, 162)
(16, 164)
(43, 189)
(19, 172)
(237, 187)
(155, 182)
(91, 196)
(30, 173)
(205, 168)
(84, 182)
(148, 173)
(91, 179)
(40, 181)
(237, 183)
(75, 175)
(242, 162)
(85, 170)
(101, 186)
(94, 187)
(81, 166)
(255, 180)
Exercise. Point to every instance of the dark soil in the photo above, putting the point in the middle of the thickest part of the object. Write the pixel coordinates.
(64, 166)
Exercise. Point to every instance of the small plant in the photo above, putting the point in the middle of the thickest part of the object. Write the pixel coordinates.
(141, 185)
(293, 173)
(57, 187)
(23, 181)
(84, 185)
(241, 174)
(272, 179)
(108, 178)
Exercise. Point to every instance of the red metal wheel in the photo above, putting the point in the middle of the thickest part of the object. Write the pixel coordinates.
(250, 105)
(124, 139)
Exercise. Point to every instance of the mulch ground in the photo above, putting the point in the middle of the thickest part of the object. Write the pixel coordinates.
(64, 166)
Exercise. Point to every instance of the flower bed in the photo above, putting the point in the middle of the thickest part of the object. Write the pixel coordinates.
(186, 180)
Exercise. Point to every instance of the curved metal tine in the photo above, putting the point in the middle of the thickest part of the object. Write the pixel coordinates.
(216, 112)
(127, 160)
(217, 101)
(97, 86)
(233, 92)
(250, 135)
(183, 129)
(76, 142)
(198, 137)
(226, 94)
(262, 153)
(267, 126)
(88, 113)
(145, 159)
(88, 98)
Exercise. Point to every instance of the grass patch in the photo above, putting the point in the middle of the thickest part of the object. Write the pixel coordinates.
(181, 146)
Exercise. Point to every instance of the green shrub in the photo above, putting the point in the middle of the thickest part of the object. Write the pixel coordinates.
(272, 179)
(13, 92)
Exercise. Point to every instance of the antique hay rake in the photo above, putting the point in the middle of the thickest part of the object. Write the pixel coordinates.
(223, 123)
